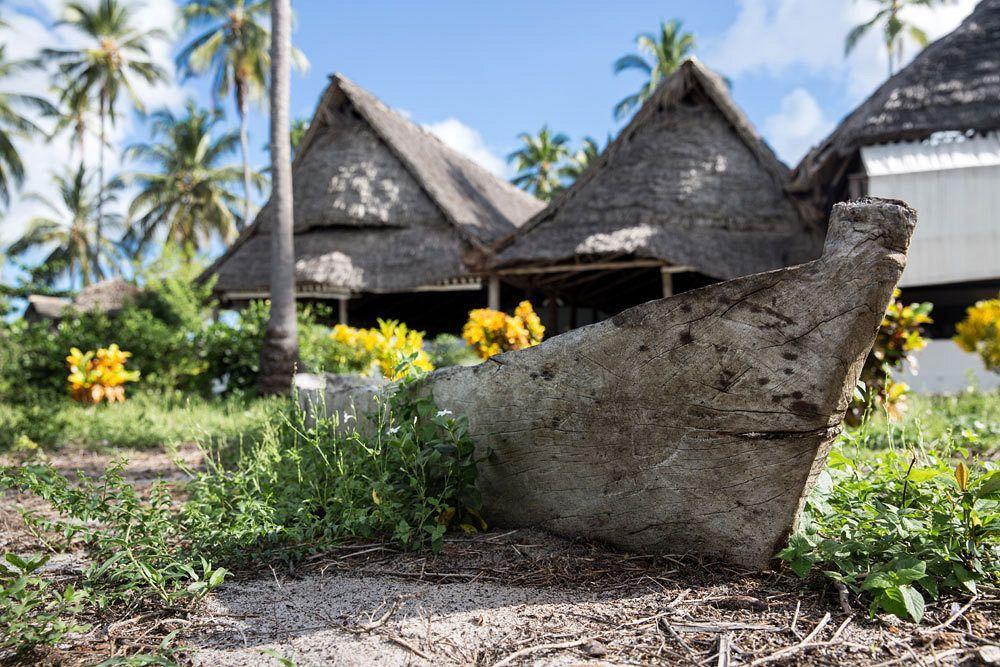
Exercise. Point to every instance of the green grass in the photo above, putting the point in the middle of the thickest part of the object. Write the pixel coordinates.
(144, 421)
(970, 420)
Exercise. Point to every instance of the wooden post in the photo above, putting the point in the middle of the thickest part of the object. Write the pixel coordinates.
(493, 293)
(342, 310)
(668, 281)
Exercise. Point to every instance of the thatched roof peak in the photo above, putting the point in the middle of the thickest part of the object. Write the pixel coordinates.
(107, 296)
(952, 85)
(482, 206)
(688, 181)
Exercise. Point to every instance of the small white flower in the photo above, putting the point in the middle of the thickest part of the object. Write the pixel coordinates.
(442, 413)
(394, 430)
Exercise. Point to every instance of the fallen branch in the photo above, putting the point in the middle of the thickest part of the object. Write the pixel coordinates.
(541, 647)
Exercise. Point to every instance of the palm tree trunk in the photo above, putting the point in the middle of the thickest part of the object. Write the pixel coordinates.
(241, 107)
(280, 350)
(98, 227)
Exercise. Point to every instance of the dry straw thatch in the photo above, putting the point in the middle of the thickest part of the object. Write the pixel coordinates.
(107, 296)
(380, 206)
(953, 85)
(688, 182)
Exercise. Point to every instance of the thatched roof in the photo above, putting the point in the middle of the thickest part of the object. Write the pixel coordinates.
(953, 85)
(688, 182)
(43, 307)
(107, 296)
(381, 205)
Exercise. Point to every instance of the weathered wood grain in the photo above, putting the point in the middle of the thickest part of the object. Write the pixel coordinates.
(696, 423)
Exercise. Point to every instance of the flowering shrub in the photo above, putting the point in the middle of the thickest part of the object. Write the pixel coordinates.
(361, 350)
(99, 376)
(491, 332)
(899, 336)
(979, 332)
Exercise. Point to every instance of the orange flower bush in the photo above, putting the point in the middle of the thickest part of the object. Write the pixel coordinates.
(979, 332)
(99, 376)
(359, 350)
(489, 332)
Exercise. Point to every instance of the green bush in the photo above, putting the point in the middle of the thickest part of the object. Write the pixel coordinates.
(33, 611)
(901, 526)
(448, 350)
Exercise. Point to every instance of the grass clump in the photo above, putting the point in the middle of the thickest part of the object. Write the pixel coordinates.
(901, 525)
(970, 419)
(147, 419)
(405, 474)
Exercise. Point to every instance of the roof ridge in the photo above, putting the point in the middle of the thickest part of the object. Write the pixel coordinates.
(671, 90)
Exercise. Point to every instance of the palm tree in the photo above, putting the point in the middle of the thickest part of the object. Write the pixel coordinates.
(894, 28)
(297, 133)
(580, 160)
(280, 351)
(189, 196)
(69, 230)
(14, 124)
(74, 114)
(537, 162)
(118, 54)
(235, 48)
(659, 56)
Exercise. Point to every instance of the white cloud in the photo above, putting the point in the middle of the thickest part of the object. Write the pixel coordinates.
(771, 36)
(798, 125)
(467, 141)
(25, 36)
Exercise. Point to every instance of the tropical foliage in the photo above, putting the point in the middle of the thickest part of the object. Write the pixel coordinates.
(979, 332)
(15, 124)
(100, 375)
(899, 337)
(578, 162)
(489, 332)
(381, 349)
(68, 233)
(233, 47)
(895, 28)
(538, 162)
(658, 56)
(116, 56)
(188, 199)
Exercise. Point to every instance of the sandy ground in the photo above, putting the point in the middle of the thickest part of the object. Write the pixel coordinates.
(518, 597)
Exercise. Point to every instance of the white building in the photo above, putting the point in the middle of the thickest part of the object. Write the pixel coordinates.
(929, 136)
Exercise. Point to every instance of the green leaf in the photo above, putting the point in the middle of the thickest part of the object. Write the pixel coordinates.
(922, 474)
(913, 601)
(964, 577)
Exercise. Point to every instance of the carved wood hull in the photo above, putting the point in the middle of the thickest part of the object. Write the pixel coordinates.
(692, 424)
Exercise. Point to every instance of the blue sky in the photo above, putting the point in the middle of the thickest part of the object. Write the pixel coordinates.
(478, 73)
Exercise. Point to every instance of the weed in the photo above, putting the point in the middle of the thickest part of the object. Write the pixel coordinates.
(901, 526)
(33, 611)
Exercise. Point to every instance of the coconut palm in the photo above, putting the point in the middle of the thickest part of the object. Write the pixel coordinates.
(68, 231)
(188, 197)
(75, 114)
(14, 124)
(538, 162)
(280, 350)
(894, 28)
(659, 56)
(297, 133)
(580, 160)
(233, 45)
(116, 56)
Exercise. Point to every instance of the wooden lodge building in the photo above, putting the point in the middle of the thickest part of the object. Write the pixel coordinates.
(388, 220)
(686, 195)
(930, 135)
